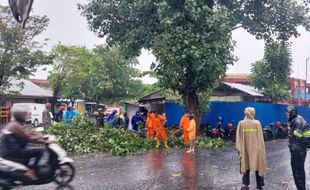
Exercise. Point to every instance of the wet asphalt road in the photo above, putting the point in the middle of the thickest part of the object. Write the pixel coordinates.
(175, 169)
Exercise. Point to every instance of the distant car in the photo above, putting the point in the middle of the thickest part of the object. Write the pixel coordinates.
(35, 112)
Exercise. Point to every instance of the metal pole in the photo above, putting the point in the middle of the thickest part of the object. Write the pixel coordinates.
(306, 79)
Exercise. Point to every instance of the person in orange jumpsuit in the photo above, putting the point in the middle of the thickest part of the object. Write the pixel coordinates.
(159, 123)
(150, 125)
(192, 133)
(184, 124)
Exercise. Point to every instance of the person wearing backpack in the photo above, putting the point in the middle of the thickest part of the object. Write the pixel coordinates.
(299, 135)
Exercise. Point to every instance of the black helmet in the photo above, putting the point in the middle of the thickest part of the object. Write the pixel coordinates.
(292, 111)
(20, 114)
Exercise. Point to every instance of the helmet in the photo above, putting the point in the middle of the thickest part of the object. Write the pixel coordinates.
(20, 114)
(278, 123)
(62, 108)
(292, 112)
(229, 126)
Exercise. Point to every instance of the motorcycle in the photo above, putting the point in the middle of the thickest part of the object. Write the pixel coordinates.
(57, 168)
(205, 130)
(230, 133)
(267, 132)
(282, 131)
(218, 132)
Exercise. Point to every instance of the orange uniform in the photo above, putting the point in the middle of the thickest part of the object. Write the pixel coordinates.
(192, 130)
(150, 126)
(159, 123)
(184, 123)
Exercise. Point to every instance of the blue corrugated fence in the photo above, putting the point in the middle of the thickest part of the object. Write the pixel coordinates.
(233, 112)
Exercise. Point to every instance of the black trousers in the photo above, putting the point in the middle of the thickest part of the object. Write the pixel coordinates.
(26, 154)
(298, 157)
(259, 179)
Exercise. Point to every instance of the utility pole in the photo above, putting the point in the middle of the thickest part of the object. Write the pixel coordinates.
(307, 60)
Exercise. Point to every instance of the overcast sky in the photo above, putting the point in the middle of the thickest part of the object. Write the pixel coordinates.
(69, 27)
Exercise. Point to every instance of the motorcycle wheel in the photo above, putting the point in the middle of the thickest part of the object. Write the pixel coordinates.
(64, 174)
(267, 136)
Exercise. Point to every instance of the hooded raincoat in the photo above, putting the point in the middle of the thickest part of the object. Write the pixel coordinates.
(192, 130)
(184, 123)
(250, 144)
(150, 125)
(159, 123)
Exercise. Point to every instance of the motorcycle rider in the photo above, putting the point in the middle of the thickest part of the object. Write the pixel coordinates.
(298, 129)
(14, 141)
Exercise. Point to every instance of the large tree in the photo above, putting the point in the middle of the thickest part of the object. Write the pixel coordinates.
(65, 78)
(103, 74)
(191, 39)
(20, 53)
(271, 75)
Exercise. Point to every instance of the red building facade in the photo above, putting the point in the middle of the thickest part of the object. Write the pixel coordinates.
(296, 87)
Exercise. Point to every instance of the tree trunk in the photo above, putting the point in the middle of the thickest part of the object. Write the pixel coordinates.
(191, 102)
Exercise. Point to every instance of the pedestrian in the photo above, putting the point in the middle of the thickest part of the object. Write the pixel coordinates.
(135, 121)
(298, 131)
(100, 117)
(159, 123)
(126, 120)
(251, 148)
(111, 118)
(191, 133)
(60, 113)
(70, 114)
(118, 121)
(150, 125)
(46, 116)
(184, 124)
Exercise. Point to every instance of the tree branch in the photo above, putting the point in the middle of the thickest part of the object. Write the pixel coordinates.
(236, 27)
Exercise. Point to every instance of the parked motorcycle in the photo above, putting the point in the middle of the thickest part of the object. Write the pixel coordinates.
(57, 168)
(267, 132)
(205, 130)
(281, 130)
(275, 131)
(230, 132)
(218, 132)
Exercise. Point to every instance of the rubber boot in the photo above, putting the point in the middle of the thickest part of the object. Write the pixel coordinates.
(166, 145)
(157, 144)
